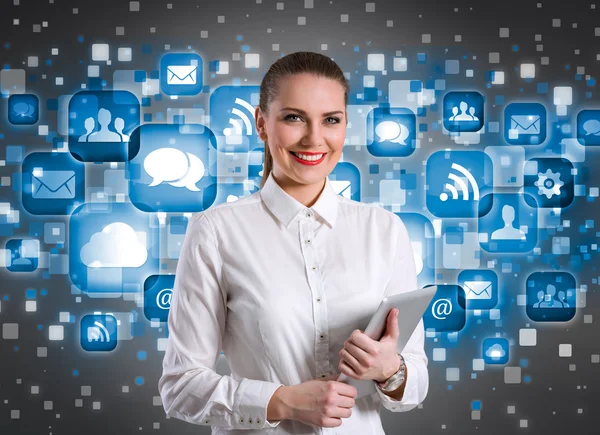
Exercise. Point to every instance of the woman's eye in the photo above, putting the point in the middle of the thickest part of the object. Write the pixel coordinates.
(337, 120)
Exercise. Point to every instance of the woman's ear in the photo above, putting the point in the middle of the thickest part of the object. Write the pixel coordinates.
(260, 124)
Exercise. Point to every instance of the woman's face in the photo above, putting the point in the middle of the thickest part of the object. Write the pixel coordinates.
(308, 116)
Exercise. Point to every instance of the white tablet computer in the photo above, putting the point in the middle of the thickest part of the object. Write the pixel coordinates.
(411, 306)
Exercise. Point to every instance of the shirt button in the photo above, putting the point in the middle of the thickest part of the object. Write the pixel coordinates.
(307, 240)
(242, 420)
(322, 336)
(249, 420)
(257, 421)
(318, 299)
(308, 214)
(314, 268)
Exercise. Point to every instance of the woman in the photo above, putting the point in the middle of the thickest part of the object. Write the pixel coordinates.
(278, 280)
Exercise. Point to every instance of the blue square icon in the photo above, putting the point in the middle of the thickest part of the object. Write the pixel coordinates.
(463, 112)
(23, 109)
(52, 183)
(22, 255)
(446, 312)
(231, 118)
(100, 124)
(181, 74)
(481, 288)
(525, 123)
(391, 132)
(170, 172)
(508, 222)
(98, 332)
(495, 350)
(457, 180)
(588, 127)
(549, 181)
(158, 291)
(551, 296)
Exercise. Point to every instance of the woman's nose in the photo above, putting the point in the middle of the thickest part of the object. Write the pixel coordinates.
(313, 135)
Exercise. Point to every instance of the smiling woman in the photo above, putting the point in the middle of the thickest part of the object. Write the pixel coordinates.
(302, 120)
(288, 318)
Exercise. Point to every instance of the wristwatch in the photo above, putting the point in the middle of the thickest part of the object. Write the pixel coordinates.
(394, 381)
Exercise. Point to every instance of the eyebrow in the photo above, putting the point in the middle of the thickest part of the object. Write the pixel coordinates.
(304, 113)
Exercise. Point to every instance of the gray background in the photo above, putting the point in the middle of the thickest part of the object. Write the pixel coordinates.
(562, 394)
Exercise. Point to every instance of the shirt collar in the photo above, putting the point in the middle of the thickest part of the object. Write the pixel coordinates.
(285, 208)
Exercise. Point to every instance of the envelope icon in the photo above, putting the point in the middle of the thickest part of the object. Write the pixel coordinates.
(54, 185)
(525, 124)
(478, 289)
(342, 187)
(181, 74)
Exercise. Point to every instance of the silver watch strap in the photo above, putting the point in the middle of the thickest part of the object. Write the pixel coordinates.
(396, 380)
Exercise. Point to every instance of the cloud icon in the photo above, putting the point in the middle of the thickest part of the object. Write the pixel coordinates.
(495, 352)
(117, 245)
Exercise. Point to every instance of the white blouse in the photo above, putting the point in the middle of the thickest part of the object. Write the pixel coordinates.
(280, 287)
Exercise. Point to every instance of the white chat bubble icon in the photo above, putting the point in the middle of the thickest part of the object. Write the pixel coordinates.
(194, 173)
(392, 131)
(387, 130)
(591, 126)
(165, 164)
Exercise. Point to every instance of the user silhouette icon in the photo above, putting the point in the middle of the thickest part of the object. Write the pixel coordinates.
(540, 296)
(119, 126)
(463, 116)
(472, 113)
(508, 232)
(21, 260)
(89, 125)
(454, 113)
(563, 299)
(549, 301)
(104, 134)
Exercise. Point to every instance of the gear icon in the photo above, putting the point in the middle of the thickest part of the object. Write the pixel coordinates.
(549, 183)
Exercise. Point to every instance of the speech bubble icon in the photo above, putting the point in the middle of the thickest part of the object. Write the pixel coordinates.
(591, 126)
(23, 109)
(165, 164)
(194, 173)
(387, 130)
(404, 132)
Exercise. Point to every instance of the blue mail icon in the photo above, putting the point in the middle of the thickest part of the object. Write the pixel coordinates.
(478, 289)
(342, 187)
(525, 124)
(54, 185)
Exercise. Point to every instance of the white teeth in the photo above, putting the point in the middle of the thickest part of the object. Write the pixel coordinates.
(308, 158)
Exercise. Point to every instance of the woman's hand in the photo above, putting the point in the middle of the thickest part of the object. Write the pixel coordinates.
(322, 402)
(364, 358)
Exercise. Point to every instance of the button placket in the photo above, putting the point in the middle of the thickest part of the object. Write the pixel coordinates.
(319, 303)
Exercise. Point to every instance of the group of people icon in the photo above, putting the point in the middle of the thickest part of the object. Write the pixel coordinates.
(463, 115)
(546, 299)
(104, 134)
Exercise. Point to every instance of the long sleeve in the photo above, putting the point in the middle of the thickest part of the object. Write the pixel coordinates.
(404, 278)
(190, 388)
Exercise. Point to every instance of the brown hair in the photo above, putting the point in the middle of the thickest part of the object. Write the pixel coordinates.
(295, 63)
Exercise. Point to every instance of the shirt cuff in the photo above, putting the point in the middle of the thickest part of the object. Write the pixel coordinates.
(253, 399)
(411, 394)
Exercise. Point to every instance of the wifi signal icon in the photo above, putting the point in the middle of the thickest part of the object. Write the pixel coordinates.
(98, 332)
(460, 182)
(234, 135)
